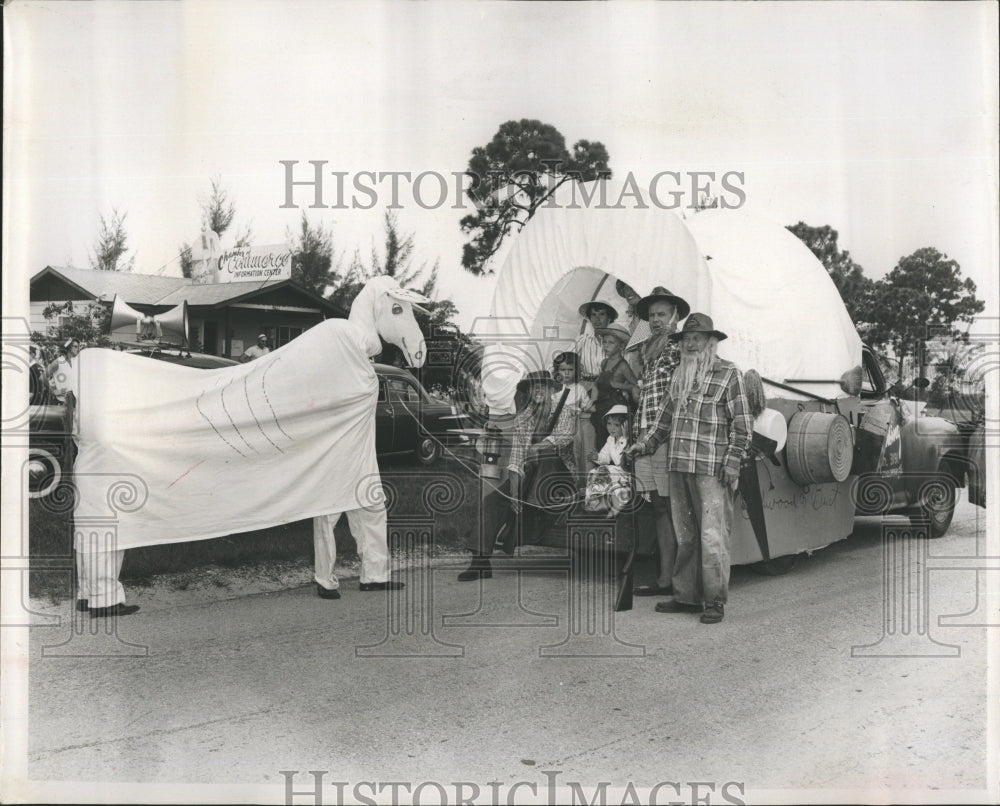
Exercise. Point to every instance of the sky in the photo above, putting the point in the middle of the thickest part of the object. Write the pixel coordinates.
(877, 119)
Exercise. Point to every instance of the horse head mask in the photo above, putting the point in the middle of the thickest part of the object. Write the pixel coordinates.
(385, 308)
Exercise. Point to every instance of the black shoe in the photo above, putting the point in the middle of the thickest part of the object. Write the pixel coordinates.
(391, 585)
(653, 590)
(713, 614)
(81, 606)
(476, 571)
(327, 593)
(114, 610)
(673, 606)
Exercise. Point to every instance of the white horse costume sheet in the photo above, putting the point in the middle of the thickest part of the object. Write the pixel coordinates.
(175, 454)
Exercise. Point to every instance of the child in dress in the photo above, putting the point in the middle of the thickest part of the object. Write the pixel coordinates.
(609, 485)
(580, 398)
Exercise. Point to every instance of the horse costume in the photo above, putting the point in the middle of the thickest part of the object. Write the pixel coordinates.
(169, 454)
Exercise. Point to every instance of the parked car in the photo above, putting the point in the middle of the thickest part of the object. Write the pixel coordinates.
(933, 455)
(408, 420)
(183, 358)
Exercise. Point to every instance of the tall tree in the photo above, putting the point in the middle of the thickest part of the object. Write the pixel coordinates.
(217, 213)
(855, 289)
(244, 237)
(313, 262)
(186, 257)
(516, 172)
(924, 296)
(112, 245)
(218, 209)
(395, 259)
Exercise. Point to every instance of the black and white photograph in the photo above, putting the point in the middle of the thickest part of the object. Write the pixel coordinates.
(500, 402)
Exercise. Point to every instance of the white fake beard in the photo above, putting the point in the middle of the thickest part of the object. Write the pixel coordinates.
(691, 373)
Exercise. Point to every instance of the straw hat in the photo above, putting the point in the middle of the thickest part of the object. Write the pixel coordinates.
(616, 329)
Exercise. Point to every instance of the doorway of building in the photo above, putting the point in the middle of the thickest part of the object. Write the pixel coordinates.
(211, 344)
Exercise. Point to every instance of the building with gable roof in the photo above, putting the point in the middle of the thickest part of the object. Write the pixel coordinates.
(224, 318)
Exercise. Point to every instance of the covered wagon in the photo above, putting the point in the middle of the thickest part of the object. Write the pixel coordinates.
(785, 319)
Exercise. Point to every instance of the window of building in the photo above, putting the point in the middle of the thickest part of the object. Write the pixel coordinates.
(286, 334)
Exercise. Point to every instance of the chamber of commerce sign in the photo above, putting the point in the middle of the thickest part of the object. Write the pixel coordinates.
(255, 263)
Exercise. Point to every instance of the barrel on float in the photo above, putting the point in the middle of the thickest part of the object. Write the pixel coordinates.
(820, 447)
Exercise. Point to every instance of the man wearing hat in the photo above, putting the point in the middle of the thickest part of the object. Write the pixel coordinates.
(588, 346)
(706, 426)
(257, 350)
(541, 444)
(661, 310)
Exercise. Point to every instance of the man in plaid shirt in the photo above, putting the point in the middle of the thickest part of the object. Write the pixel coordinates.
(706, 425)
(660, 356)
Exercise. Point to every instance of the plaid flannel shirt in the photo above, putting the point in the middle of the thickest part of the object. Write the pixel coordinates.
(714, 429)
(656, 376)
(561, 437)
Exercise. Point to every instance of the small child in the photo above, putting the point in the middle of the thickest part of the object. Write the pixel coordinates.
(609, 486)
(588, 347)
(566, 370)
(616, 383)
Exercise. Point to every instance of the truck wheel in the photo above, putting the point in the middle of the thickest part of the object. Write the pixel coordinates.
(777, 566)
(428, 451)
(936, 505)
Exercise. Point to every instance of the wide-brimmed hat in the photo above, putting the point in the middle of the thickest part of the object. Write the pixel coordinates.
(698, 323)
(660, 294)
(587, 307)
(540, 376)
(616, 329)
(617, 409)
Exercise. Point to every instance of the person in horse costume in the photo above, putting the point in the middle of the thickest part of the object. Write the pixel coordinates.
(169, 454)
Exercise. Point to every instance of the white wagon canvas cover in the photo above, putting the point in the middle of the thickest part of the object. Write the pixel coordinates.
(759, 283)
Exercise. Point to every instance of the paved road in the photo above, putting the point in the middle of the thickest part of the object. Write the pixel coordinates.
(235, 691)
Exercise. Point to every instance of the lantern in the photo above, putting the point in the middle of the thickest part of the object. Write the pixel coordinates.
(489, 446)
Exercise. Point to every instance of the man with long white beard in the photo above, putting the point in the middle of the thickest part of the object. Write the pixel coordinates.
(707, 427)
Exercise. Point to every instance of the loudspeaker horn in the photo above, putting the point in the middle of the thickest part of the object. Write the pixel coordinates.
(169, 327)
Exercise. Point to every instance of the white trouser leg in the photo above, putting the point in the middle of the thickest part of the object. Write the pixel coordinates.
(325, 548)
(82, 591)
(99, 583)
(370, 532)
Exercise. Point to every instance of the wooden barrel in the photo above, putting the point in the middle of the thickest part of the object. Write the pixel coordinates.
(820, 447)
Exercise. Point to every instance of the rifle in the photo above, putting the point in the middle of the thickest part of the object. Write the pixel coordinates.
(626, 577)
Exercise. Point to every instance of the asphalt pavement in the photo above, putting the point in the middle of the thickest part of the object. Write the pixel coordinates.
(863, 670)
